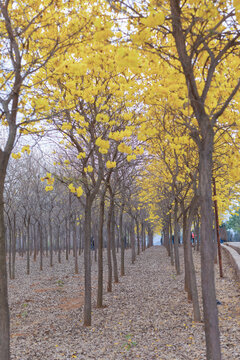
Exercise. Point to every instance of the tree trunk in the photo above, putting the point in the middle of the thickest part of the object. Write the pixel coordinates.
(109, 283)
(187, 285)
(100, 252)
(166, 237)
(28, 245)
(122, 240)
(138, 237)
(191, 268)
(80, 239)
(35, 243)
(87, 262)
(176, 248)
(41, 246)
(67, 237)
(170, 240)
(217, 230)
(74, 230)
(142, 234)
(50, 240)
(207, 248)
(4, 310)
(113, 243)
(132, 239)
(58, 244)
(198, 234)
(10, 249)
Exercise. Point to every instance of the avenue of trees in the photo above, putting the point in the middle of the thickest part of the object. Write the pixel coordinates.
(136, 105)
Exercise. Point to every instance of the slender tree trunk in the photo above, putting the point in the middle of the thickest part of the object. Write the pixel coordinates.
(187, 284)
(166, 237)
(50, 240)
(170, 241)
(4, 310)
(113, 244)
(176, 248)
(191, 269)
(142, 234)
(198, 234)
(35, 243)
(138, 238)
(144, 240)
(10, 249)
(58, 244)
(46, 240)
(13, 246)
(80, 239)
(210, 310)
(217, 230)
(132, 239)
(67, 236)
(109, 283)
(75, 246)
(87, 262)
(122, 240)
(100, 252)
(41, 246)
(28, 245)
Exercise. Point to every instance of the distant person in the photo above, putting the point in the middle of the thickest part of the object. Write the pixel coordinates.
(192, 237)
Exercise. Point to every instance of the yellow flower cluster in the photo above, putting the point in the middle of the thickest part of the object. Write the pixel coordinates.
(81, 155)
(48, 188)
(154, 19)
(88, 169)
(66, 126)
(72, 188)
(16, 156)
(125, 148)
(26, 148)
(131, 157)
(119, 135)
(81, 131)
(50, 181)
(139, 150)
(78, 191)
(103, 145)
(110, 164)
(104, 118)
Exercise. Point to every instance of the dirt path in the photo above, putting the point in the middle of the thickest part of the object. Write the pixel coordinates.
(147, 316)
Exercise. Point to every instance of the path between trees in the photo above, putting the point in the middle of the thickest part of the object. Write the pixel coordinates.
(147, 315)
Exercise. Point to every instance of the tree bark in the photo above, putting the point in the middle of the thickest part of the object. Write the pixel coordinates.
(113, 243)
(41, 246)
(28, 245)
(122, 240)
(67, 236)
(217, 230)
(138, 237)
(170, 240)
(191, 268)
(4, 309)
(132, 239)
(109, 283)
(87, 262)
(50, 239)
(207, 248)
(176, 248)
(100, 252)
(58, 244)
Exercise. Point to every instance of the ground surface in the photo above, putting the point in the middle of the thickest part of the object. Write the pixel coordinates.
(147, 316)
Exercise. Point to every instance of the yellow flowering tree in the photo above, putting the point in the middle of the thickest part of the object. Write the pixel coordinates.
(33, 34)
